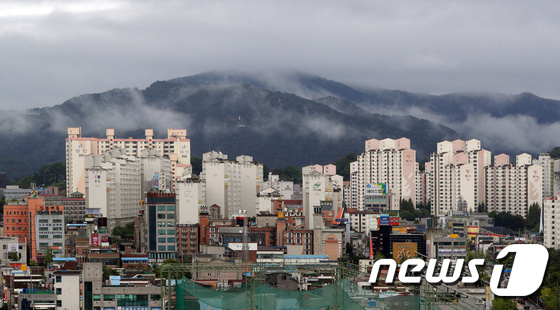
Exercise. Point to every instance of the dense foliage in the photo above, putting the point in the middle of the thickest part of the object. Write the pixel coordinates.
(124, 232)
(409, 213)
(555, 152)
(290, 173)
(46, 175)
(518, 223)
(343, 165)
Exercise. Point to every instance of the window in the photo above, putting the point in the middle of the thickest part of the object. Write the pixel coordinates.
(58, 291)
(171, 232)
(170, 216)
(58, 279)
(161, 248)
(161, 216)
(161, 208)
(171, 248)
(161, 240)
(170, 208)
(59, 303)
(170, 224)
(170, 240)
(57, 221)
(96, 297)
(109, 297)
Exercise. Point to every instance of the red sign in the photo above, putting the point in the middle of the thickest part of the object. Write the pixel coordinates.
(371, 248)
(94, 239)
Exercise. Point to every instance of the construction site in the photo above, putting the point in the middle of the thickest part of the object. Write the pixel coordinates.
(324, 286)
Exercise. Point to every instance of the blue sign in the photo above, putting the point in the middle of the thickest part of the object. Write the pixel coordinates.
(384, 219)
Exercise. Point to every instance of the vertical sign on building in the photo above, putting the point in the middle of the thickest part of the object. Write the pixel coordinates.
(371, 248)
(94, 239)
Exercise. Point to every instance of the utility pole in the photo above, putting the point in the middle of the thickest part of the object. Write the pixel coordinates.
(245, 248)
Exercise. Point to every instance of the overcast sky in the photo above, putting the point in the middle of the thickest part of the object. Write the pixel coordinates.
(51, 51)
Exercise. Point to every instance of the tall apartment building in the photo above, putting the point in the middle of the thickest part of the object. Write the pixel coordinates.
(388, 161)
(176, 147)
(232, 185)
(189, 199)
(551, 224)
(513, 187)
(550, 166)
(113, 185)
(156, 172)
(456, 176)
(319, 188)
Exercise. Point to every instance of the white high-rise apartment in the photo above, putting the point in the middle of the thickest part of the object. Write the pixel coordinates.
(455, 177)
(156, 172)
(354, 182)
(176, 147)
(550, 166)
(113, 185)
(232, 185)
(387, 161)
(515, 187)
(551, 224)
(317, 188)
(189, 198)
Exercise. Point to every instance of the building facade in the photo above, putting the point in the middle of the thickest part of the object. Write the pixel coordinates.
(456, 177)
(515, 187)
(176, 146)
(161, 231)
(390, 162)
(232, 185)
(113, 186)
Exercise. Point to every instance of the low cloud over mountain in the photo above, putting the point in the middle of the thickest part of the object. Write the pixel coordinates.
(280, 119)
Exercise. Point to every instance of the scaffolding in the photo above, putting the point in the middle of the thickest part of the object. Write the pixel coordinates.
(343, 293)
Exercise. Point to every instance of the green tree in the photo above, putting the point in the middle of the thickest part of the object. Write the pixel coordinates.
(555, 152)
(2, 204)
(48, 258)
(13, 256)
(534, 217)
(125, 232)
(343, 165)
(501, 303)
(508, 220)
(108, 271)
(196, 163)
(289, 173)
(32, 262)
(550, 298)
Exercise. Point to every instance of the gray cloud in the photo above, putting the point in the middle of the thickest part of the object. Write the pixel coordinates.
(54, 50)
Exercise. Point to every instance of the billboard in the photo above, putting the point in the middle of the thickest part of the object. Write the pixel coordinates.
(13, 247)
(94, 239)
(384, 219)
(404, 250)
(376, 189)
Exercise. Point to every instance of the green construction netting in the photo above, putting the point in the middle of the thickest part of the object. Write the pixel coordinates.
(193, 296)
